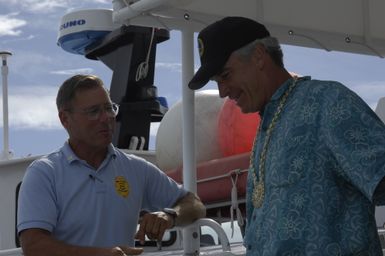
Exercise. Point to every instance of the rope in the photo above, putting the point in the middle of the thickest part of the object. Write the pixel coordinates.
(142, 70)
(234, 203)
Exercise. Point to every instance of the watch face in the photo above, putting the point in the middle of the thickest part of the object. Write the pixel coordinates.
(170, 211)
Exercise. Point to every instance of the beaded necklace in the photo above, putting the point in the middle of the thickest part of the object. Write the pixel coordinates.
(259, 185)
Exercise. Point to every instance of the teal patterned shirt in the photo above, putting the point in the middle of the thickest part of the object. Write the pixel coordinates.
(325, 158)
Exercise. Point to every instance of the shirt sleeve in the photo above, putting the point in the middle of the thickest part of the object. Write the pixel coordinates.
(36, 202)
(161, 190)
(356, 137)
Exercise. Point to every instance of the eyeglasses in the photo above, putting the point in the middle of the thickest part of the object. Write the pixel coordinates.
(93, 113)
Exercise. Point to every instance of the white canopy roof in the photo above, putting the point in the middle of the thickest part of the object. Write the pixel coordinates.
(343, 25)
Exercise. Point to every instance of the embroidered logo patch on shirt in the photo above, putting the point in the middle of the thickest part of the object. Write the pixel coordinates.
(121, 186)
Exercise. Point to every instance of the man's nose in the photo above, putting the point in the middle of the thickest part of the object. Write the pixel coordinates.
(223, 90)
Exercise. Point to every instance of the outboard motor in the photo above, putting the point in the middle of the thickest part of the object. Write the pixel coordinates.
(129, 51)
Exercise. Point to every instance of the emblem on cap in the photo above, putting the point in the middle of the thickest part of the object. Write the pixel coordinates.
(121, 186)
(201, 47)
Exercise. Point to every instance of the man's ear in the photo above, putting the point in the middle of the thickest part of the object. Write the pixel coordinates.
(259, 55)
(63, 116)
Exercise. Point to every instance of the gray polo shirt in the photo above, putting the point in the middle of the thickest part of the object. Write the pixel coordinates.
(83, 206)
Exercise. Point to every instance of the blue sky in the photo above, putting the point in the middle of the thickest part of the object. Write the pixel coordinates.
(28, 29)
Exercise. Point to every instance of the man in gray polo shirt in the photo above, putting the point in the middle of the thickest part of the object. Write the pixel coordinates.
(85, 198)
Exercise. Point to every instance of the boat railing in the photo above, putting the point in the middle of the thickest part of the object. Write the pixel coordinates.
(224, 247)
(217, 228)
(223, 240)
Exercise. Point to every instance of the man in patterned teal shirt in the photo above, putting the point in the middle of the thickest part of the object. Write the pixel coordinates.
(318, 162)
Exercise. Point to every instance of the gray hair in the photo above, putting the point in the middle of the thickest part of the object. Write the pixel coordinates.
(271, 45)
(68, 89)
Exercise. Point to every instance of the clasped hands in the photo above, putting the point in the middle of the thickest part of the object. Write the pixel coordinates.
(152, 224)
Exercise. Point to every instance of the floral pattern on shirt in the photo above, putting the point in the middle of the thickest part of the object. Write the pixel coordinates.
(325, 158)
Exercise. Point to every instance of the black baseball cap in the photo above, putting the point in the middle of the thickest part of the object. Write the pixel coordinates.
(217, 41)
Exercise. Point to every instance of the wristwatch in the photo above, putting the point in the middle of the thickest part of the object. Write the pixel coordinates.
(172, 213)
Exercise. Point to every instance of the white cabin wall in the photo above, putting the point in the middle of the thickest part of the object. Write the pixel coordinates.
(380, 210)
(380, 109)
(11, 173)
